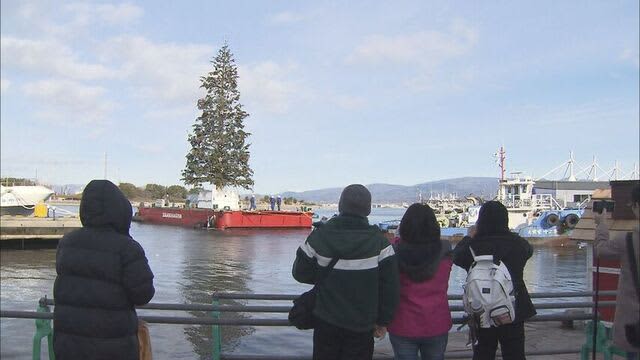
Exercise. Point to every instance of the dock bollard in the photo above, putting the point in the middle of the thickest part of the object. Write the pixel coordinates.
(571, 324)
(43, 329)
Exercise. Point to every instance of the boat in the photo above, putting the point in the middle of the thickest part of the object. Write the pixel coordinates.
(22, 199)
(222, 212)
(517, 195)
(552, 223)
(542, 207)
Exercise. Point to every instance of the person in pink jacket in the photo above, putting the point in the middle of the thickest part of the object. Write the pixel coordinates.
(422, 320)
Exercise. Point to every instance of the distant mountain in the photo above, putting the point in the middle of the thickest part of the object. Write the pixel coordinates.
(388, 193)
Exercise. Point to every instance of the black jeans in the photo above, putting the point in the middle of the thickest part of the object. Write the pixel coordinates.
(510, 337)
(334, 343)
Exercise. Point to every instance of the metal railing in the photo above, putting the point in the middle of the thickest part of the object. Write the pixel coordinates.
(44, 315)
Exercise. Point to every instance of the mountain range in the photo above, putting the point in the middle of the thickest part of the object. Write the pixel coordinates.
(484, 187)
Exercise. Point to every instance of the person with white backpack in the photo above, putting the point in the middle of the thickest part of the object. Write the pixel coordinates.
(495, 294)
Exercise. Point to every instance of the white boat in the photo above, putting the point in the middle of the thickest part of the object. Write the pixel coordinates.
(516, 194)
(539, 206)
(21, 200)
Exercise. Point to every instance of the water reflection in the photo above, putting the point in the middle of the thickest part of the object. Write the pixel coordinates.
(214, 261)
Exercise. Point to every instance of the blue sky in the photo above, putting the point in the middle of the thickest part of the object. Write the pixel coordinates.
(338, 92)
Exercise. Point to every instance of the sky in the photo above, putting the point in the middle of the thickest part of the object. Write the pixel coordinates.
(338, 92)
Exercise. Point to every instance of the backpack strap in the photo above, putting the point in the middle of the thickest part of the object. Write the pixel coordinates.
(496, 259)
(632, 262)
(327, 270)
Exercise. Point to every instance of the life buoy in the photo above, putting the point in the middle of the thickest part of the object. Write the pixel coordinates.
(571, 220)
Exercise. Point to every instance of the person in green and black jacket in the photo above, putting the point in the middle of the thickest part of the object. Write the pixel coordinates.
(360, 294)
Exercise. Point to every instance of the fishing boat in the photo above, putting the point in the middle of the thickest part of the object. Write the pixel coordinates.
(542, 207)
(22, 199)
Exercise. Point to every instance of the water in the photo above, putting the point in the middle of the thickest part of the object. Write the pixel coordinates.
(190, 264)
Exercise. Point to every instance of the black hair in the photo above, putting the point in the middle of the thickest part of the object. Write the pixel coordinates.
(493, 219)
(419, 225)
(420, 244)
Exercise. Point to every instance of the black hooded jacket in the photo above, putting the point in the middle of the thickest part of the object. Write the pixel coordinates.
(513, 251)
(102, 275)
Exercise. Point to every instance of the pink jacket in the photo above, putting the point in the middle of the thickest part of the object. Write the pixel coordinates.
(424, 309)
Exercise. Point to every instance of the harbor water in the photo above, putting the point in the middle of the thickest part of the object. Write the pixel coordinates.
(190, 264)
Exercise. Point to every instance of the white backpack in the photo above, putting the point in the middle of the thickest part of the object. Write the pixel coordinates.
(488, 292)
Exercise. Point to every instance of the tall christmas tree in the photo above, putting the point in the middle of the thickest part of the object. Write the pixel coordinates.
(219, 152)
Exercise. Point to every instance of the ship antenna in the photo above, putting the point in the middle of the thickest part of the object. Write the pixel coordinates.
(500, 160)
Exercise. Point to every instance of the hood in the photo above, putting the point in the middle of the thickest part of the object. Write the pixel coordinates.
(104, 205)
(419, 261)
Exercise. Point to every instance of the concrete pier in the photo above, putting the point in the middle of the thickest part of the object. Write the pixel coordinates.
(22, 232)
(539, 336)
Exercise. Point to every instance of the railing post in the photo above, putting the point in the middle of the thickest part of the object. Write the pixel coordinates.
(43, 329)
(215, 331)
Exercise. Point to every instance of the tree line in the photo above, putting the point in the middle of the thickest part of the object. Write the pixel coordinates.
(12, 181)
(156, 191)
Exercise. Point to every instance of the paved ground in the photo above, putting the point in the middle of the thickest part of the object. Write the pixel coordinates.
(539, 336)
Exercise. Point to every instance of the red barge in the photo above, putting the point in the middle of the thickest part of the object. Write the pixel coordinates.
(227, 219)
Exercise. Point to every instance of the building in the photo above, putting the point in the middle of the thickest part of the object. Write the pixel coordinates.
(569, 193)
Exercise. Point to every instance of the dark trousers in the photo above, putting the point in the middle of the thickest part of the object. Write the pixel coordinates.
(510, 337)
(334, 343)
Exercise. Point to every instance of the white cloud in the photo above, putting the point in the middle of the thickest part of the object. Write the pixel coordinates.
(425, 53)
(631, 55)
(49, 58)
(268, 85)
(427, 48)
(350, 102)
(168, 76)
(77, 20)
(166, 72)
(4, 85)
(285, 17)
(68, 102)
(118, 14)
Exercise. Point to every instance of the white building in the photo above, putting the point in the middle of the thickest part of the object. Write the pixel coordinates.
(569, 193)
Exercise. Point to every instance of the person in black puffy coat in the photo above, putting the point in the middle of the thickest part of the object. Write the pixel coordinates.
(493, 237)
(102, 275)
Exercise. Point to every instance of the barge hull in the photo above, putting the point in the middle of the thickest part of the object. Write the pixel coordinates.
(263, 219)
(225, 219)
(175, 216)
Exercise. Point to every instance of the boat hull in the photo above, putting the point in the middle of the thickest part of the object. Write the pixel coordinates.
(225, 219)
(16, 210)
(174, 216)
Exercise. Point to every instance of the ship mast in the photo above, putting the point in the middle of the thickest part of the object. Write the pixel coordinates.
(500, 160)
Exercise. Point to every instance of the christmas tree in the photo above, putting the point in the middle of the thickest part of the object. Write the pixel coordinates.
(219, 152)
